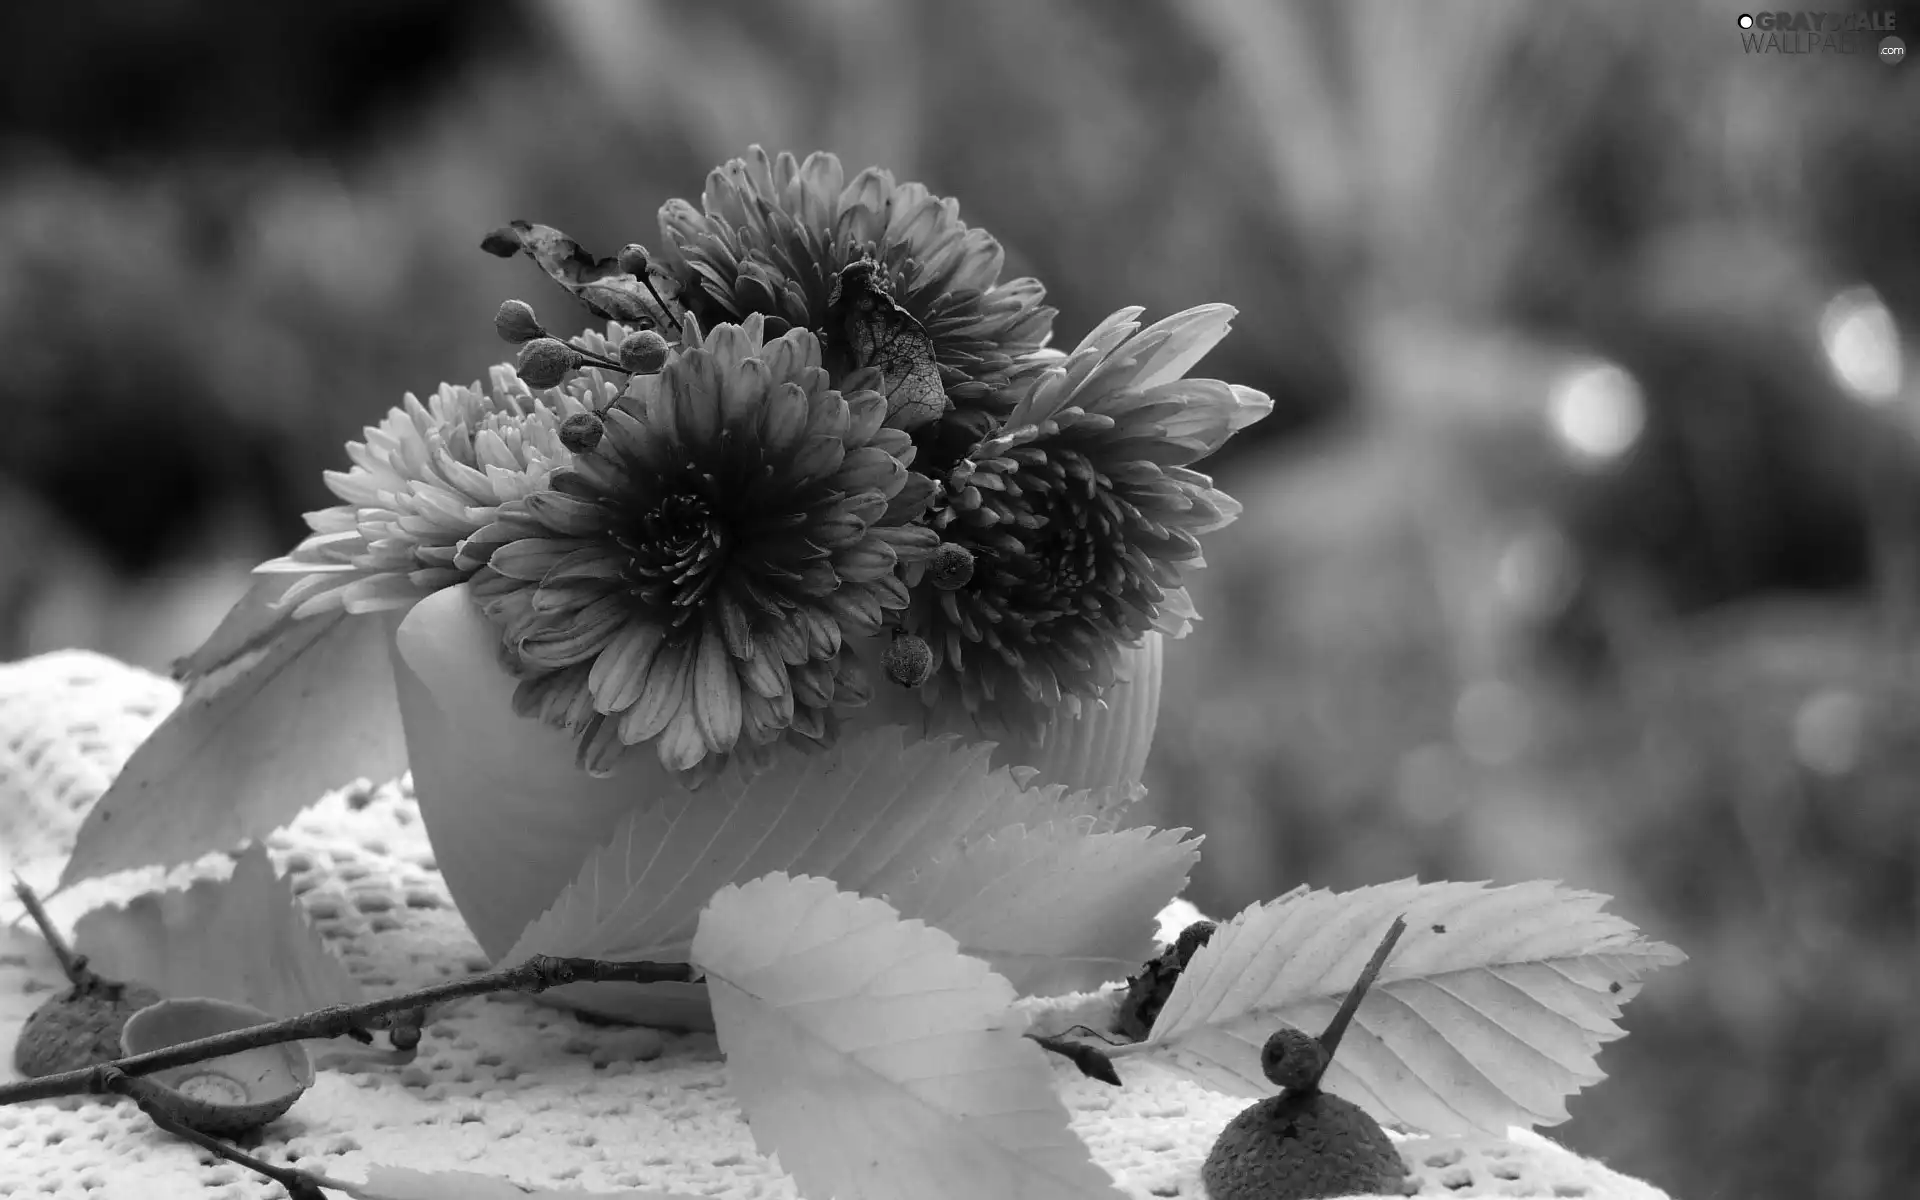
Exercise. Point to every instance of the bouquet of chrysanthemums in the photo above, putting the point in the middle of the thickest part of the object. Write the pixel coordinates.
(818, 472)
(802, 623)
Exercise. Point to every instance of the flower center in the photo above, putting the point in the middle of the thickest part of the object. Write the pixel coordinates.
(675, 555)
(1057, 556)
(1064, 560)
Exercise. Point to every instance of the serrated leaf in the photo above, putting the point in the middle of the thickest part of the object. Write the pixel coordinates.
(1055, 908)
(402, 1183)
(874, 1058)
(1488, 1014)
(866, 813)
(281, 714)
(244, 938)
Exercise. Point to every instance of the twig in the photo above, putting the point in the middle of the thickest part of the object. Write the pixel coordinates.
(1337, 1028)
(537, 974)
(153, 1102)
(73, 966)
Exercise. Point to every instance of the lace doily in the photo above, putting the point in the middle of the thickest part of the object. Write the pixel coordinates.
(500, 1085)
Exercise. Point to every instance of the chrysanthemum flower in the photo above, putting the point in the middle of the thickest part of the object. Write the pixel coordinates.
(689, 582)
(773, 235)
(429, 476)
(1080, 515)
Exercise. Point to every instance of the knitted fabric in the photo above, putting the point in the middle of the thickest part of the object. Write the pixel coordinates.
(500, 1085)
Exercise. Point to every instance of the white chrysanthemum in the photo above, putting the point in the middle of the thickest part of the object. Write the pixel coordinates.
(428, 477)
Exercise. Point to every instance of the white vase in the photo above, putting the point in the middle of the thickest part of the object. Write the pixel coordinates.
(511, 818)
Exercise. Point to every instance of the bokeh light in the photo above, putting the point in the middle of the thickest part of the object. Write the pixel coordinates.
(1598, 412)
(1863, 344)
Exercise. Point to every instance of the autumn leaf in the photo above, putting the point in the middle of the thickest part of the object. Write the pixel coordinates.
(1055, 908)
(869, 330)
(866, 813)
(609, 287)
(875, 1059)
(244, 939)
(277, 712)
(1488, 1014)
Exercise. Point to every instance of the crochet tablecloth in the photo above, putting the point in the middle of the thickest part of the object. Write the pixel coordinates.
(500, 1085)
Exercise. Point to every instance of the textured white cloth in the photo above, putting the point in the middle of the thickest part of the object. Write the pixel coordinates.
(500, 1085)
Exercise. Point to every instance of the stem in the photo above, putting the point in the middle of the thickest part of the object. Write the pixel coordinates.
(1337, 1028)
(152, 1101)
(72, 965)
(666, 314)
(537, 974)
(591, 359)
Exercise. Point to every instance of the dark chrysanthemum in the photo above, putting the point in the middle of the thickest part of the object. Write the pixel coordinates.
(690, 580)
(773, 235)
(1080, 515)
(426, 478)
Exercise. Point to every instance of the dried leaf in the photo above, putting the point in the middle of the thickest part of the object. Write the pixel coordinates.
(866, 813)
(873, 331)
(243, 939)
(276, 713)
(605, 285)
(402, 1183)
(1489, 1024)
(1055, 908)
(877, 1060)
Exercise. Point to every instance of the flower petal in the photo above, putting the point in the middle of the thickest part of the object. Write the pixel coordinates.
(716, 692)
(1190, 335)
(696, 398)
(682, 745)
(663, 694)
(620, 672)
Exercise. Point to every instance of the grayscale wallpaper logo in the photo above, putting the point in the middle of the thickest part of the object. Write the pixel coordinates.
(1868, 33)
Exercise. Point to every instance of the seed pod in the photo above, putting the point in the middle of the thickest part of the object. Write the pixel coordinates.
(516, 323)
(643, 353)
(951, 566)
(581, 432)
(78, 1027)
(1304, 1144)
(544, 362)
(908, 660)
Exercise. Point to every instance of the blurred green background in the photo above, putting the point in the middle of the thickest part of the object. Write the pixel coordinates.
(1581, 543)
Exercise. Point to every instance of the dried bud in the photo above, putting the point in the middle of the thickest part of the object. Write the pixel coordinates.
(516, 323)
(633, 259)
(544, 362)
(581, 432)
(951, 566)
(908, 660)
(643, 353)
